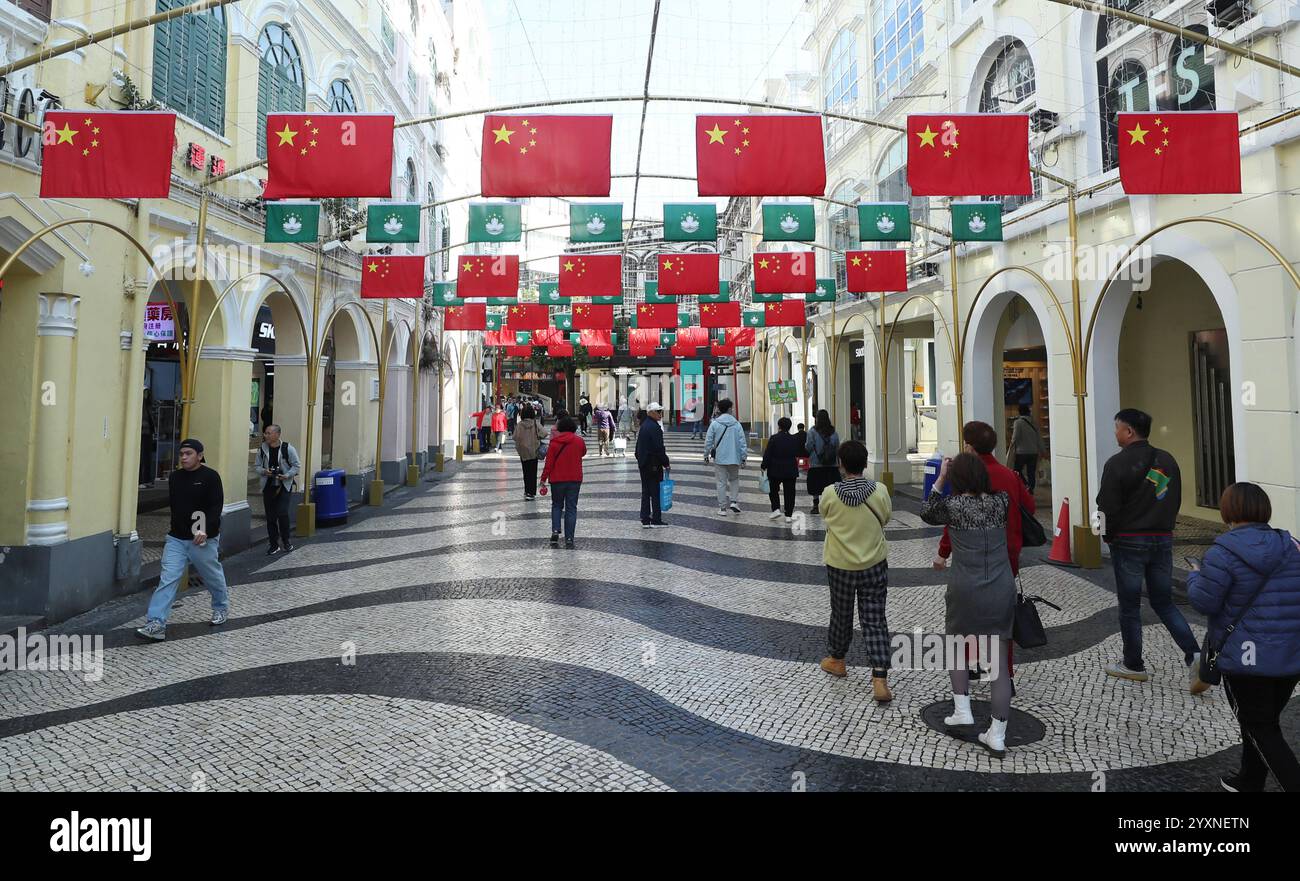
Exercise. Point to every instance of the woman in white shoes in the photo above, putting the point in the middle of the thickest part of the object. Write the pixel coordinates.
(781, 462)
(981, 596)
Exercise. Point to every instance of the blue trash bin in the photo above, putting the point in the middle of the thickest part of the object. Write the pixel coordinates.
(329, 490)
(932, 466)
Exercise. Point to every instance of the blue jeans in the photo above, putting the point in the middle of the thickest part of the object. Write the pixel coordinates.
(697, 429)
(564, 500)
(1151, 557)
(205, 562)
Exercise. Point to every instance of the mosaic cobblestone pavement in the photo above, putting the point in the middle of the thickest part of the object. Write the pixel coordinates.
(439, 643)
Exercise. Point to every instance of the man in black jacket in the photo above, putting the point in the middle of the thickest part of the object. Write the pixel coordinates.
(652, 462)
(1139, 498)
(196, 501)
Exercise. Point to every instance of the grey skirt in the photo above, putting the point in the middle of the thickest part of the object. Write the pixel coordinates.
(981, 596)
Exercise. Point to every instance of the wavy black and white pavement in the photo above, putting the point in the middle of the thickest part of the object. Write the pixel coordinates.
(440, 643)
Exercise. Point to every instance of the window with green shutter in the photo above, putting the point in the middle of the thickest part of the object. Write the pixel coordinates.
(189, 64)
(280, 83)
(386, 32)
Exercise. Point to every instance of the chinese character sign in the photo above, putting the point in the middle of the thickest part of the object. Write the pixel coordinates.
(158, 324)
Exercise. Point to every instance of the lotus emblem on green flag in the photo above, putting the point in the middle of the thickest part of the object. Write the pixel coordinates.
(884, 222)
(444, 294)
(596, 222)
(767, 298)
(789, 223)
(690, 222)
(548, 292)
(722, 296)
(292, 221)
(652, 294)
(495, 222)
(977, 221)
(754, 318)
(495, 320)
(563, 320)
(825, 292)
(392, 222)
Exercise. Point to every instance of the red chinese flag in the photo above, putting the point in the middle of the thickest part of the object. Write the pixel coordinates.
(876, 270)
(688, 274)
(769, 155)
(488, 276)
(528, 316)
(656, 315)
(968, 154)
(638, 350)
(539, 155)
(722, 314)
(684, 350)
(787, 313)
(498, 337)
(589, 317)
(780, 272)
(94, 154)
(328, 154)
(726, 349)
(693, 336)
(560, 350)
(601, 350)
(644, 337)
(383, 277)
(590, 338)
(1179, 153)
(549, 336)
(472, 316)
(519, 351)
(743, 337)
(591, 275)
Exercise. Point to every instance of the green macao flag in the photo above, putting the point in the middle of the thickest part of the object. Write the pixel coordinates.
(977, 221)
(690, 222)
(575, 338)
(683, 319)
(392, 222)
(722, 296)
(884, 222)
(611, 300)
(563, 320)
(596, 222)
(652, 294)
(789, 223)
(292, 221)
(495, 320)
(767, 298)
(825, 292)
(666, 338)
(548, 292)
(444, 294)
(523, 337)
(495, 222)
(754, 318)
(503, 301)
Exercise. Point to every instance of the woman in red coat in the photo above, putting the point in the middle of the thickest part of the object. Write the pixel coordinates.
(563, 469)
(499, 423)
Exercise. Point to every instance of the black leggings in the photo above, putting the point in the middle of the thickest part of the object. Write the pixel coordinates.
(530, 476)
(776, 486)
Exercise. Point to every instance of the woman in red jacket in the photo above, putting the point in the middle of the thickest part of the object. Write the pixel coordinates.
(563, 469)
(499, 423)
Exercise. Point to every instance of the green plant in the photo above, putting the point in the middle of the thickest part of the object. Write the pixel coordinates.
(131, 97)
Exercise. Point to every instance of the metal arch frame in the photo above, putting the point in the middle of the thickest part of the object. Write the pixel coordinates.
(467, 348)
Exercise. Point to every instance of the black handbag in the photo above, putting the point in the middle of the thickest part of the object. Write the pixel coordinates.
(1027, 627)
(1032, 534)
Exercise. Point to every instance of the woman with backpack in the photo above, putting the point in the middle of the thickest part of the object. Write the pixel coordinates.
(564, 470)
(1248, 586)
(981, 596)
(528, 440)
(822, 446)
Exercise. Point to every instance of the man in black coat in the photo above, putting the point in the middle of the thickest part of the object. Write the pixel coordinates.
(652, 462)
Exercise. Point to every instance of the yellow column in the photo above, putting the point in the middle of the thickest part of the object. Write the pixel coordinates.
(47, 506)
(220, 421)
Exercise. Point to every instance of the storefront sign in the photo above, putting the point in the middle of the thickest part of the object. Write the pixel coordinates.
(783, 391)
(158, 324)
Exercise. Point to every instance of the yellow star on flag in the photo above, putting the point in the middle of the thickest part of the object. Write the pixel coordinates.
(286, 136)
(927, 137)
(668, 264)
(568, 265)
(65, 134)
(762, 264)
(374, 267)
(467, 266)
(715, 134)
(857, 261)
(503, 134)
(1138, 134)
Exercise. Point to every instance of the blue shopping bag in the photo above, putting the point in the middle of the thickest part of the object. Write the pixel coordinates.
(666, 495)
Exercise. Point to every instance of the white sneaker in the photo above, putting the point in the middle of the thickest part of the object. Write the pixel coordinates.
(775, 514)
(735, 508)
(722, 512)
(789, 520)
(995, 739)
(961, 714)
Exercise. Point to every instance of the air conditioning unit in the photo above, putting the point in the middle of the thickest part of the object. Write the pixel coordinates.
(1043, 120)
(1228, 14)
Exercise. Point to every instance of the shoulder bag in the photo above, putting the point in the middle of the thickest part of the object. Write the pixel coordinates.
(1209, 671)
(713, 450)
(1027, 629)
(1032, 534)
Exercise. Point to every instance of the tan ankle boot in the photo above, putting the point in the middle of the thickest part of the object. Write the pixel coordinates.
(834, 666)
(880, 689)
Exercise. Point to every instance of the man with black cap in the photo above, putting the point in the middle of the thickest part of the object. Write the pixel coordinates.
(196, 497)
(651, 461)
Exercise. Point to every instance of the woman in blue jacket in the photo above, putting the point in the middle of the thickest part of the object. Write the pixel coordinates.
(1249, 588)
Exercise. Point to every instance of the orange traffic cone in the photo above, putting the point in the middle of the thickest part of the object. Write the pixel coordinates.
(1061, 544)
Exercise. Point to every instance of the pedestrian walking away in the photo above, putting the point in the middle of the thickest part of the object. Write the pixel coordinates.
(726, 447)
(584, 414)
(781, 464)
(528, 441)
(822, 447)
(1248, 586)
(854, 552)
(499, 423)
(604, 421)
(278, 467)
(1025, 447)
(196, 498)
(651, 462)
(564, 472)
(512, 415)
(980, 600)
(1140, 494)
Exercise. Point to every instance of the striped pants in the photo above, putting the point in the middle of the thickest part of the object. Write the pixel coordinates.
(869, 588)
